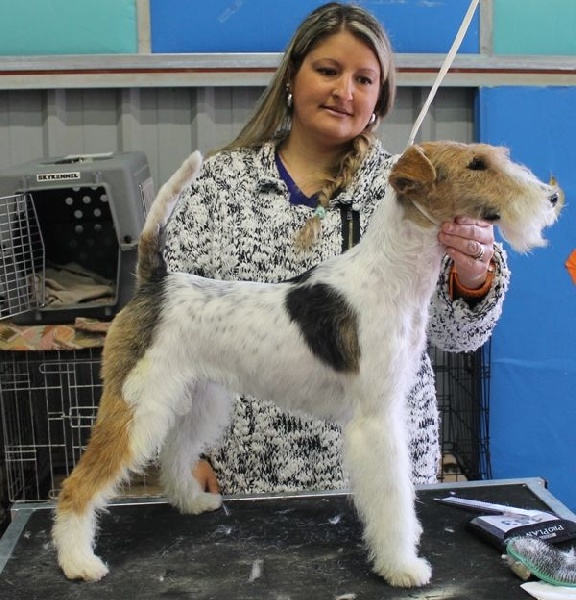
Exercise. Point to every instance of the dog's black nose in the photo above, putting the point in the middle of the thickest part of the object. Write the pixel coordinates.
(554, 198)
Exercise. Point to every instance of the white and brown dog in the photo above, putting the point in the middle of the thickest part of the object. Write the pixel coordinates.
(340, 342)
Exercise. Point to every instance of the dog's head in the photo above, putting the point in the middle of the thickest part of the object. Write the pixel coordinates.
(445, 180)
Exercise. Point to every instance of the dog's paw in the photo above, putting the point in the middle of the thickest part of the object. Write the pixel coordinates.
(413, 573)
(203, 502)
(89, 568)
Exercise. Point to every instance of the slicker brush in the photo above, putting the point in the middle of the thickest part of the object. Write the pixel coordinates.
(528, 556)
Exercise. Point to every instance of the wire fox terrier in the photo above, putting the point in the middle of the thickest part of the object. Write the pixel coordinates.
(340, 342)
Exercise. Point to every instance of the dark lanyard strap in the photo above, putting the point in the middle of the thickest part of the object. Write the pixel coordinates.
(350, 226)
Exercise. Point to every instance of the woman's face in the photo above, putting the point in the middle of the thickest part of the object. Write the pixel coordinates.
(335, 90)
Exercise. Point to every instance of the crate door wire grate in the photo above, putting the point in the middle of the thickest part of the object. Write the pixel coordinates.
(21, 256)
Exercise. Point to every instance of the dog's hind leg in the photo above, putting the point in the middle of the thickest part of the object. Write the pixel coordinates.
(105, 462)
(378, 461)
(190, 435)
(124, 439)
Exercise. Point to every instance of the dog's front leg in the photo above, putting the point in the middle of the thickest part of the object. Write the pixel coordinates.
(377, 457)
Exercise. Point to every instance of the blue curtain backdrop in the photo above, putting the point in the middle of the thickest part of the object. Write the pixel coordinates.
(532, 414)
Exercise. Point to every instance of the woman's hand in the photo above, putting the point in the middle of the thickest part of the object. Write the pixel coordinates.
(205, 476)
(470, 244)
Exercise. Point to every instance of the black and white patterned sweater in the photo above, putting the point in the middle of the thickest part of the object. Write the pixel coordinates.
(236, 223)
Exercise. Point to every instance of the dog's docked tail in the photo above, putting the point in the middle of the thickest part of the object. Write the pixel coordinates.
(150, 259)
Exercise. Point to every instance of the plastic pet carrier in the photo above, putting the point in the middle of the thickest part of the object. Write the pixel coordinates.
(69, 229)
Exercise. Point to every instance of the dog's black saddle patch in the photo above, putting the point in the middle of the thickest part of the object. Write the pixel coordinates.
(328, 324)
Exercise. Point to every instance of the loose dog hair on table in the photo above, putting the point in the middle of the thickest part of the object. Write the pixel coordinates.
(341, 341)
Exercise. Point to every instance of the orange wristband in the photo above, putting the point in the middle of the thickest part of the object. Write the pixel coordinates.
(457, 290)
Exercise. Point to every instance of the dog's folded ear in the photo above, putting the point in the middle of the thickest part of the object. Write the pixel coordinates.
(413, 174)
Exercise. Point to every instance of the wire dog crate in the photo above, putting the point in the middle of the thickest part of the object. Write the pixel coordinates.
(463, 392)
(48, 401)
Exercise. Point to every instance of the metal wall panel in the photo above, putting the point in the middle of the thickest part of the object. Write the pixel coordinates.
(168, 123)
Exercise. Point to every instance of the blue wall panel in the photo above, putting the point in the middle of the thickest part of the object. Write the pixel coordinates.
(35, 27)
(532, 419)
(265, 26)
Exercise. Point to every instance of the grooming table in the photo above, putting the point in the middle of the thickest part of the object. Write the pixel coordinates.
(306, 546)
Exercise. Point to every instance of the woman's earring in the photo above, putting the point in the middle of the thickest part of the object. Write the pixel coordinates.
(289, 99)
(372, 119)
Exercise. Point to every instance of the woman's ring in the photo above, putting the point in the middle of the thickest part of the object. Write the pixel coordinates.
(480, 252)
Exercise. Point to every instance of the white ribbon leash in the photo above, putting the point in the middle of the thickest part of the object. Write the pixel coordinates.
(444, 68)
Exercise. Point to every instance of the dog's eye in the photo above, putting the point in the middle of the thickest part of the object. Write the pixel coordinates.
(491, 215)
(477, 164)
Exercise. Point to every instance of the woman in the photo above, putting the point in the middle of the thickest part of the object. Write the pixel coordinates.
(298, 185)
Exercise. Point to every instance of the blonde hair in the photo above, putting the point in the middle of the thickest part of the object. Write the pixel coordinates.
(271, 119)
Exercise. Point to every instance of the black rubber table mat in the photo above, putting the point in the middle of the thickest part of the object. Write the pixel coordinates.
(286, 548)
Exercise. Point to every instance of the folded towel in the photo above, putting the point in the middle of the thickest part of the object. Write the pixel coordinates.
(72, 284)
